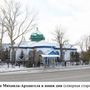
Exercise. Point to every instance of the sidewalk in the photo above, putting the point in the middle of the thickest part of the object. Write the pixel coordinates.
(17, 69)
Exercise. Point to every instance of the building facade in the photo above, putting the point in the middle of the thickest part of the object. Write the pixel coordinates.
(48, 51)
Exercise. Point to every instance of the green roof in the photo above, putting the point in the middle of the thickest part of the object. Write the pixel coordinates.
(37, 36)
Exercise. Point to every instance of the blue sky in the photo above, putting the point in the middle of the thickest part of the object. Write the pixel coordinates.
(72, 15)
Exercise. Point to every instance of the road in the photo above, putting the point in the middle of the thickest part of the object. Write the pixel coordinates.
(70, 75)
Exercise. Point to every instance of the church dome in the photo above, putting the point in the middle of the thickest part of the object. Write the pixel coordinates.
(37, 36)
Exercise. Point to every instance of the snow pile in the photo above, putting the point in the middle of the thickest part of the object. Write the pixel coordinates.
(5, 68)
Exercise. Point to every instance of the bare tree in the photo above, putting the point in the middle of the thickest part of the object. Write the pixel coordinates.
(59, 37)
(2, 31)
(16, 23)
(84, 43)
(87, 42)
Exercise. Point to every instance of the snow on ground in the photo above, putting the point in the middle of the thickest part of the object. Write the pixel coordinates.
(21, 69)
(5, 68)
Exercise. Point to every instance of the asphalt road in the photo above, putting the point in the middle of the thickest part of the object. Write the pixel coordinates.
(71, 75)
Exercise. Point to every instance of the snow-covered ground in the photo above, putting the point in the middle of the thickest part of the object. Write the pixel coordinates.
(5, 68)
(16, 69)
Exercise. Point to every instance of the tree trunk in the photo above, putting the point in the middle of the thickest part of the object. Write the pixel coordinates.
(12, 54)
(61, 53)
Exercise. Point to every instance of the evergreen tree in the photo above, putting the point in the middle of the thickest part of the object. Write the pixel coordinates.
(74, 57)
(21, 55)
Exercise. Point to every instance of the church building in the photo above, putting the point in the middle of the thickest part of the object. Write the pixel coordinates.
(49, 52)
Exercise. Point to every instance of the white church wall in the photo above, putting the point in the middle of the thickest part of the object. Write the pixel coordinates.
(45, 51)
(67, 54)
(18, 51)
(25, 51)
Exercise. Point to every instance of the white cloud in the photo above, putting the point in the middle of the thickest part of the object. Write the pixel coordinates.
(70, 6)
(73, 15)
